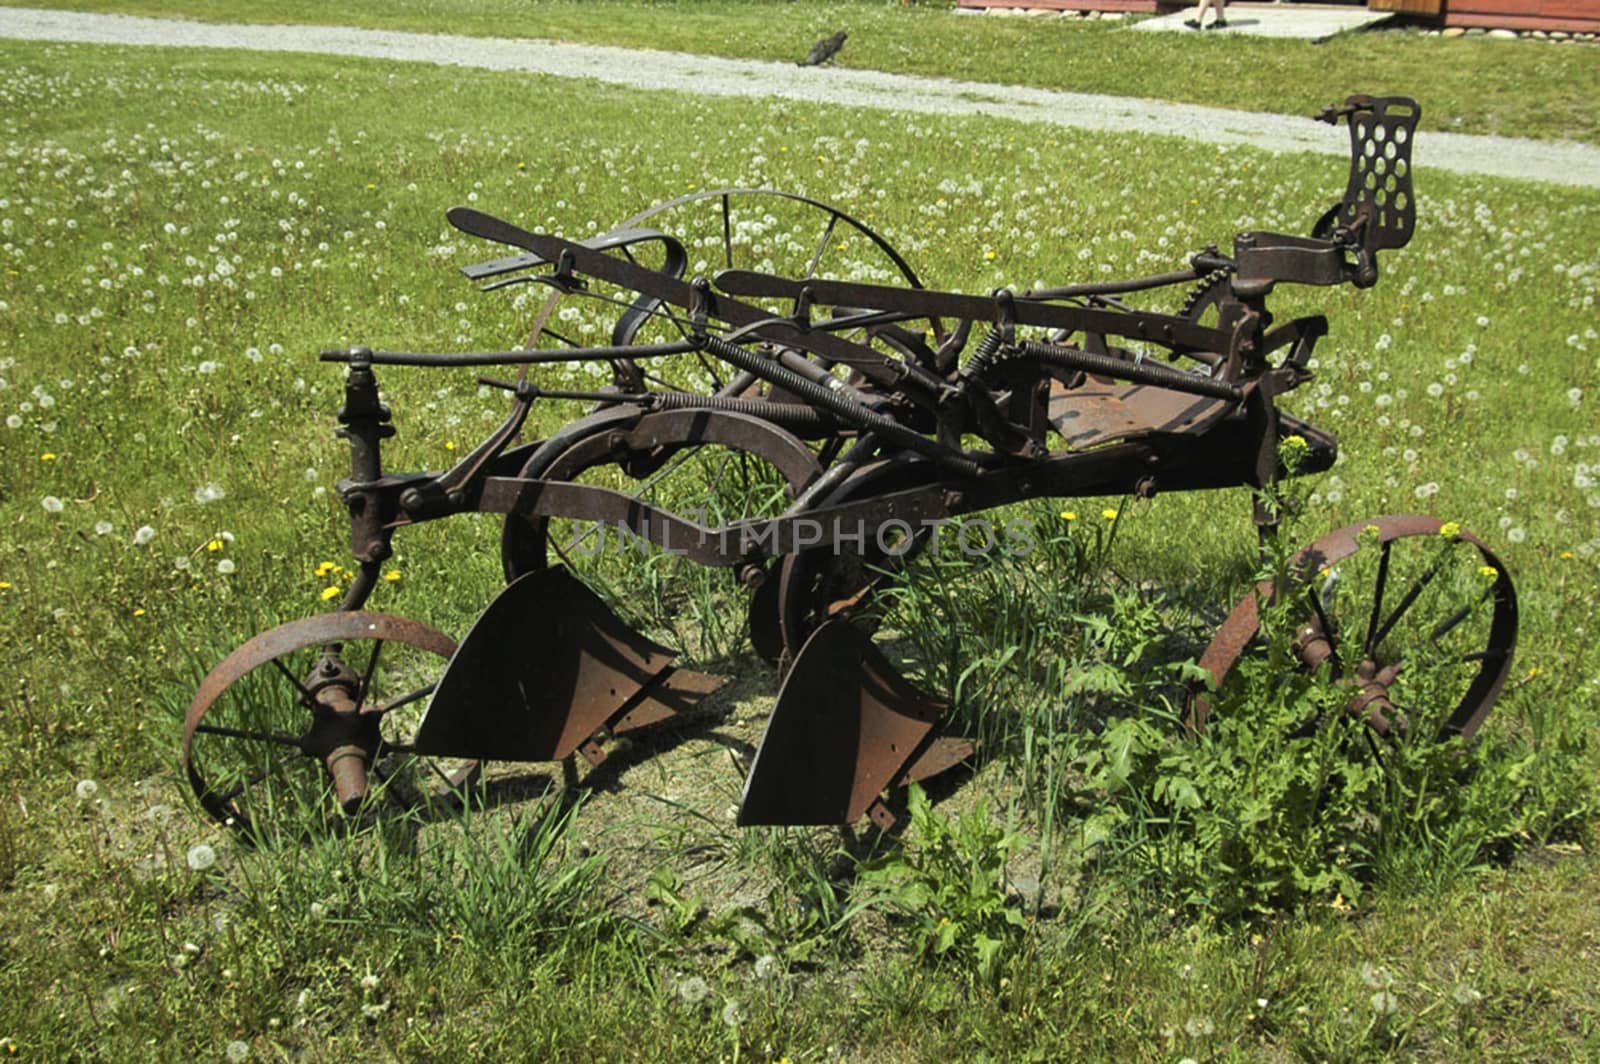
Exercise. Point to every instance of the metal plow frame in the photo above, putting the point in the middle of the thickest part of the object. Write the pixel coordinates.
(880, 409)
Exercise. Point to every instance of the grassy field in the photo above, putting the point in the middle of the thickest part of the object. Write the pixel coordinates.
(1475, 85)
(181, 235)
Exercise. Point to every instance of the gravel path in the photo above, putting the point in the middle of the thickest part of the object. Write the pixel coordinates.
(1560, 163)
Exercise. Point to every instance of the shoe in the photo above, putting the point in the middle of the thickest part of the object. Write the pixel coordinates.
(1192, 23)
(1220, 24)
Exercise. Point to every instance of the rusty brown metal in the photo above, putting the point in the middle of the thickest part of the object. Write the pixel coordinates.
(545, 667)
(339, 732)
(1373, 678)
(844, 731)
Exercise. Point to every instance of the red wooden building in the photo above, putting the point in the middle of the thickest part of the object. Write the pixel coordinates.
(1568, 16)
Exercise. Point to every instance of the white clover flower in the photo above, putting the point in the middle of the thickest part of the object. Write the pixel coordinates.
(143, 535)
(201, 857)
(86, 790)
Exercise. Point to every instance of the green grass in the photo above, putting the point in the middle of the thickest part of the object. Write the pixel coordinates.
(1521, 89)
(159, 325)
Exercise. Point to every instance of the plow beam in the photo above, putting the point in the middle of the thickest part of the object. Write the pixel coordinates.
(545, 668)
(847, 727)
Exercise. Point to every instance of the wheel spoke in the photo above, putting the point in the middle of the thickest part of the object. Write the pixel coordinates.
(1327, 632)
(245, 733)
(405, 699)
(251, 780)
(822, 245)
(1380, 582)
(305, 695)
(1405, 603)
(372, 669)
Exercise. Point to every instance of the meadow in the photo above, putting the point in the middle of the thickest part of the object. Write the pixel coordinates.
(182, 231)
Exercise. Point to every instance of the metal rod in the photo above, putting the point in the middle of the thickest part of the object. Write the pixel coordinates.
(502, 358)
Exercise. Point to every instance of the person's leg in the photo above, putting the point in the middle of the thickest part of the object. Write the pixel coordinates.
(1199, 15)
(1222, 15)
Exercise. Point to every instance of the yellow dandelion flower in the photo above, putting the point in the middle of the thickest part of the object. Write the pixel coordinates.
(1068, 515)
(1567, 556)
(329, 593)
(215, 545)
(372, 186)
(48, 456)
(449, 445)
(323, 569)
(1109, 513)
(5, 585)
(988, 256)
(1489, 573)
(1450, 530)
(393, 576)
(138, 611)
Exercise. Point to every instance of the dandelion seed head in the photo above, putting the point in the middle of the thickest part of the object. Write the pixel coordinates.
(143, 535)
(201, 857)
(693, 990)
(236, 1051)
(51, 504)
(86, 790)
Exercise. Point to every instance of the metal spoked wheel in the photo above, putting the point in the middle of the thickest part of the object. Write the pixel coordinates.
(791, 236)
(311, 721)
(713, 467)
(826, 584)
(1417, 618)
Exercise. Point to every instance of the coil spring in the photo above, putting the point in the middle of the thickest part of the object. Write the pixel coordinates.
(796, 414)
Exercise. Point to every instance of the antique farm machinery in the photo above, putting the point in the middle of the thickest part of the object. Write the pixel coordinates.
(821, 428)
